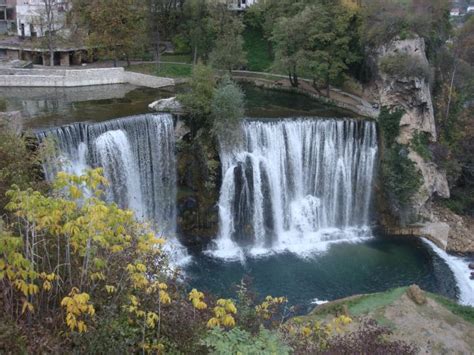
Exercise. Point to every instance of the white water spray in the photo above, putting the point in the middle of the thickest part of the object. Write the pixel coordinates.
(297, 186)
(137, 154)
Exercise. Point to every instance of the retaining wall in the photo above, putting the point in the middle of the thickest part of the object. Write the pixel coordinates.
(77, 77)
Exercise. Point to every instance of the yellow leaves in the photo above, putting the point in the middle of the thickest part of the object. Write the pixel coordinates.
(140, 267)
(151, 319)
(110, 289)
(77, 305)
(228, 321)
(213, 322)
(75, 192)
(97, 276)
(267, 308)
(81, 327)
(223, 314)
(196, 298)
(26, 288)
(47, 285)
(27, 306)
(306, 331)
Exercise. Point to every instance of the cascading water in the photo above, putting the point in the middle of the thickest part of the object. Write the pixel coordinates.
(295, 184)
(137, 154)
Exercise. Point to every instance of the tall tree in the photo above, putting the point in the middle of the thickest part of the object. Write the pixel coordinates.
(316, 42)
(198, 28)
(161, 20)
(228, 52)
(115, 27)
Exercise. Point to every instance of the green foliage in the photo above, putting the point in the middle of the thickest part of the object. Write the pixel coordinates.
(181, 45)
(389, 123)
(316, 42)
(197, 28)
(198, 101)
(420, 144)
(405, 65)
(384, 20)
(259, 56)
(20, 163)
(401, 177)
(238, 341)
(228, 50)
(227, 111)
(115, 28)
(465, 312)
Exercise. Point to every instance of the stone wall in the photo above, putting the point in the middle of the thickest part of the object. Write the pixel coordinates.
(77, 77)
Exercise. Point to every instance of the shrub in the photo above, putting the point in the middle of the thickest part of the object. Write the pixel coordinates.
(198, 100)
(420, 144)
(389, 123)
(406, 66)
(238, 341)
(370, 338)
(227, 111)
(401, 177)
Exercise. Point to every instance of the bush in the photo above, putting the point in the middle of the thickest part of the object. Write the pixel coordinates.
(198, 100)
(400, 176)
(389, 123)
(406, 66)
(238, 341)
(227, 111)
(370, 338)
(420, 144)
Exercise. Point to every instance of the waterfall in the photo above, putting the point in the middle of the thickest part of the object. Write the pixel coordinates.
(138, 158)
(295, 184)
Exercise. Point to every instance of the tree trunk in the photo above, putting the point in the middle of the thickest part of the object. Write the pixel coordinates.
(157, 50)
(195, 52)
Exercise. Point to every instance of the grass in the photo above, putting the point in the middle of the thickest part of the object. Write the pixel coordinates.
(465, 312)
(179, 58)
(166, 70)
(257, 47)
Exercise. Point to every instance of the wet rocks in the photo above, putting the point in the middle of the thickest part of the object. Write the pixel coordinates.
(170, 105)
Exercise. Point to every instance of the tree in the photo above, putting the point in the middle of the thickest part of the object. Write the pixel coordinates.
(228, 52)
(161, 20)
(198, 28)
(115, 27)
(227, 112)
(198, 100)
(316, 42)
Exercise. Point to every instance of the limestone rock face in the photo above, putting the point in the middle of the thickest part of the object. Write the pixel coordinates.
(413, 95)
(171, 105)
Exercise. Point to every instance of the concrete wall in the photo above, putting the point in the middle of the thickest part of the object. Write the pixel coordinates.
(77, 77)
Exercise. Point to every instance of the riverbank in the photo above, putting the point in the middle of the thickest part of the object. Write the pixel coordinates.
(432, 323)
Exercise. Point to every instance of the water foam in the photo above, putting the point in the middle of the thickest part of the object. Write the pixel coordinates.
(461, 271)
(298, 186)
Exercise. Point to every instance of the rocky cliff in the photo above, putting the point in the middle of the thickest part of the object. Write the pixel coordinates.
(411, 93)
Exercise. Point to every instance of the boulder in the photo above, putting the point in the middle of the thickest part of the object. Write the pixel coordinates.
(416, 294)
(170, 105)
(471, 266)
